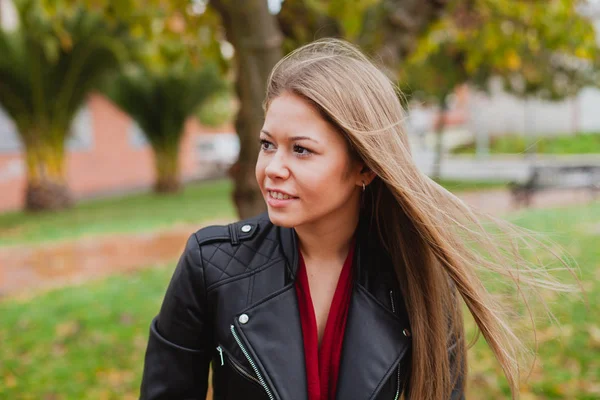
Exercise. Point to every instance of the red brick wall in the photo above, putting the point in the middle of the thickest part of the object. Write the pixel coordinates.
(12, 184)
(112, 164)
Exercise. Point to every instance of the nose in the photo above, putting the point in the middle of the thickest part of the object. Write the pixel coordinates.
(276, 167)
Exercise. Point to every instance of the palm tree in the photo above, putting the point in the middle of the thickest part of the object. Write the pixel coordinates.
(47, 69)
(160, 101)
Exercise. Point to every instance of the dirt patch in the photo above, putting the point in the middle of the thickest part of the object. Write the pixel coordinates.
(27, 269)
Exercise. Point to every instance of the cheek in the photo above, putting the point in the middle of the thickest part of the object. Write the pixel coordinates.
(259, 171)
(327, 184)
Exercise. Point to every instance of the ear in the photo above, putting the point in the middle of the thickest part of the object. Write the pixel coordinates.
(366, 176)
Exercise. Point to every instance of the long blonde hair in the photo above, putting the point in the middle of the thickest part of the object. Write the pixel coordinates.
(437, 243)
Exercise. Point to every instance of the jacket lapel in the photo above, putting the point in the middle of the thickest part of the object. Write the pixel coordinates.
(273, 333)
(373, 347)
(374, 343)
(273, 337)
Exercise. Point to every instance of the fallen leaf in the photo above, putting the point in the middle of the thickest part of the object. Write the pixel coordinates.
(10, 381)
(67, 329)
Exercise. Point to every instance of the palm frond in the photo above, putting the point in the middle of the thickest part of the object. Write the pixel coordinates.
(45, 78)
(161, 101)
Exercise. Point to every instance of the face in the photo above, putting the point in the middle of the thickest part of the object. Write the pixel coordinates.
(304, 170)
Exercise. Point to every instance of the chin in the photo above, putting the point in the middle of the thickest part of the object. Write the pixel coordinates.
(282, 220)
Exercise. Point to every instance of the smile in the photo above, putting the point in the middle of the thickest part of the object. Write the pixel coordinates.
(279, 195)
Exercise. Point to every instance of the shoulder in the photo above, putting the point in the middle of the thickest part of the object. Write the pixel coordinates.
(233, 233)
(233, 250)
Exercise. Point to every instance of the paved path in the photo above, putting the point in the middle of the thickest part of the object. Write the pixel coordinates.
(505, 168)
(27, 270)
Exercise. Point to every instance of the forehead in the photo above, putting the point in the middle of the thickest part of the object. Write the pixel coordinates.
(290, 114)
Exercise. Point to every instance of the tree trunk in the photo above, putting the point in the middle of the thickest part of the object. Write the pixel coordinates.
(46, 184)
(167, 171)
(404, 22)
(47, 196)
(256, 37)
(439, 143)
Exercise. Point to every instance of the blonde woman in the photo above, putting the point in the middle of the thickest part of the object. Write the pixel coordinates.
(351, 285)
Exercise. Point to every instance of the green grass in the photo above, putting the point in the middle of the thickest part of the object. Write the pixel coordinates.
(568, 362)
(564, 144)
(133, 213)
(139, 213)
(84, 342)
(88, 341)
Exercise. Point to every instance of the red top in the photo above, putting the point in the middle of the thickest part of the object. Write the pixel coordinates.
(322, 364)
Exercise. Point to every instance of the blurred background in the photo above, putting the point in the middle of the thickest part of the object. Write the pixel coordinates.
(125, 126)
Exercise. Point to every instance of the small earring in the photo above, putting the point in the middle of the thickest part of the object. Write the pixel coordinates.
(364, 186)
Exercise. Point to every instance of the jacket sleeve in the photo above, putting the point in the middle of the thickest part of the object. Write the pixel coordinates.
(179, 347)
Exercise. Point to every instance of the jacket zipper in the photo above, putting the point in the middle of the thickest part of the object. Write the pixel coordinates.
(392, 301)
(220, 350)
(237, 367)
(398, 383)
(252, 364)
(243, 372)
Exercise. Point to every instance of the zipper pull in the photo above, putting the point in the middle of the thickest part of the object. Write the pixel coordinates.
(220, 350)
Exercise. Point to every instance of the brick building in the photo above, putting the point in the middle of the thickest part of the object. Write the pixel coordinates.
(107, 154)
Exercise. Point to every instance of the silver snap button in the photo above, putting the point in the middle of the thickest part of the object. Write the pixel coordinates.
(246, 228)
(243, 318)
(406, 332)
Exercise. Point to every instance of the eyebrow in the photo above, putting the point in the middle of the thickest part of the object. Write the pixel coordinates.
(291, 138)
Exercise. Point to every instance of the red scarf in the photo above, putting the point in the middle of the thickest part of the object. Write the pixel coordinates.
(322, 365)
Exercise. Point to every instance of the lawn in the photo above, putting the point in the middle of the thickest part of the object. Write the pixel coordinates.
(562, 144)
(133, 213)
(197, 203)
(88, 341)
(83, 342)
(568, 363)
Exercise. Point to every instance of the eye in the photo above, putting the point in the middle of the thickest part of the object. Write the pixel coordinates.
(302, 151)
(265, 145)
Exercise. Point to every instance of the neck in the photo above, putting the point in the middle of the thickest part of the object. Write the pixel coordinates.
(329, 239)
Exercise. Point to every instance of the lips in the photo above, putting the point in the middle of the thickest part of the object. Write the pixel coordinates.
(279, 195)
(277, 199)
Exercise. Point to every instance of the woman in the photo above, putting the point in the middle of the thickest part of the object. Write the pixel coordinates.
(349, 287)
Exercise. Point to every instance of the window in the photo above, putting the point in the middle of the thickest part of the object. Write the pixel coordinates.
(9, 138)
(136, 136)
(80, 138)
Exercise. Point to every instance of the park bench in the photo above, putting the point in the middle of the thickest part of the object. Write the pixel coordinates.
(546, 176)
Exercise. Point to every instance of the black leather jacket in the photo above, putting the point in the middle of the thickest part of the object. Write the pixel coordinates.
(232, 301)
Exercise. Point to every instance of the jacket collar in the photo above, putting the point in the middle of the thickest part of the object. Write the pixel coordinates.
(373, 342)
(289, 248)
(367, 249)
